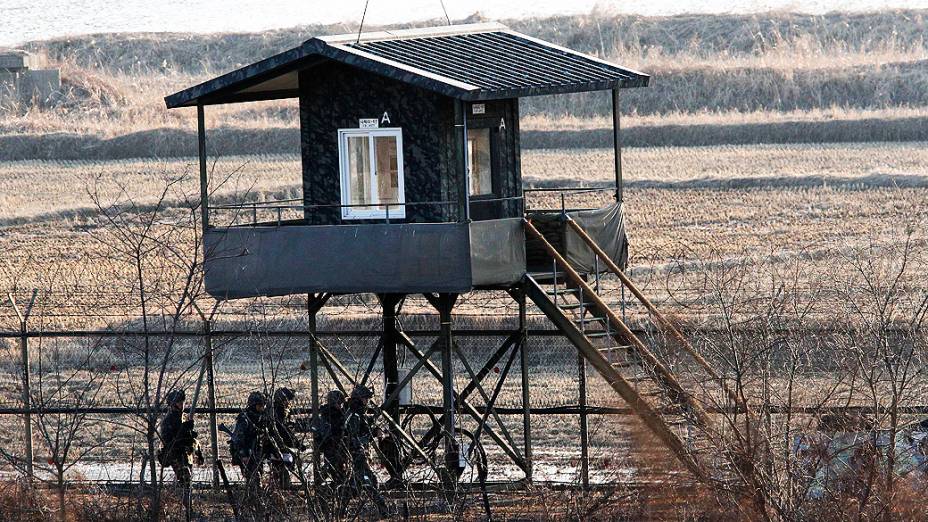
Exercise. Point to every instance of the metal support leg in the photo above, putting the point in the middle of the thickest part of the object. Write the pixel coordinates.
(211, 402)
(445, 304)
(313, 304)
(526, 401)
(389, 304)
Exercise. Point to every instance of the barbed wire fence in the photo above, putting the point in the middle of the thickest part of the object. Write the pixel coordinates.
(91, 373)
(92, 376)
(72, 371)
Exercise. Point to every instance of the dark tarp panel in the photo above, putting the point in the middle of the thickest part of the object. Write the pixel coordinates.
(605, 225)
(607, 228)
(497, 251)
(402, 258)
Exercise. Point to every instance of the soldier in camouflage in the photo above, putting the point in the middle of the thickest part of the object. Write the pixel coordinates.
(361, 432)
(179, 446)
(286, 429)
(329, 432)
(252, 442)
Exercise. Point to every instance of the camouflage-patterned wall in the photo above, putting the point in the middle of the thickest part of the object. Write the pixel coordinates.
(502, 117)
(335, 96)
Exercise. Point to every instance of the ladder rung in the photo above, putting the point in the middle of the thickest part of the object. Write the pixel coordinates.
(546, 276)
(624, 365)
(560, 291)
(572, 306)
(598, 334)
(614, 348)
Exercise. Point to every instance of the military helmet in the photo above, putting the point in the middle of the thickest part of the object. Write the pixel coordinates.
(335, 397)
(175, 397)
(361, 392)
(255, 398)
(284, 394)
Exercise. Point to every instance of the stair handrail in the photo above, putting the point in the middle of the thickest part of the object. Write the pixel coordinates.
(647, 413)
(665, 375)
(687, 346)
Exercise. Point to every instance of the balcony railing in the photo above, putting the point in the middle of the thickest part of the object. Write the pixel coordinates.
(563, 199)
(293, 211)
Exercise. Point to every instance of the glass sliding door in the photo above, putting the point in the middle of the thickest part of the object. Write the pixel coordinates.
(371, 165)
(480, 162)
(359, 172)
(387, 169)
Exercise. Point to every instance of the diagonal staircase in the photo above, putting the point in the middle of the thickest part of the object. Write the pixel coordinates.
(631, 368)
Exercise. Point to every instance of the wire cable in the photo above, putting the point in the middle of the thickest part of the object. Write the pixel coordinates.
(363, 16)
(442, 2)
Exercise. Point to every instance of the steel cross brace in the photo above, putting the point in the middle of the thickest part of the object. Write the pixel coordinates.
(327, 358)
(512, 453)
(475, 383)
(486, 398)
(498, 388)
(412, 373)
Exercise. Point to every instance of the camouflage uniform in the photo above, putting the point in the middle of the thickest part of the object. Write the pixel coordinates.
(360, 433)
(251, 442)
(179, 445)
(285, 433)
(330, 439)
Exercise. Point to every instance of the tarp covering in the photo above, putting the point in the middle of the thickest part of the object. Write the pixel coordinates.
(497, 251)
(607, 228)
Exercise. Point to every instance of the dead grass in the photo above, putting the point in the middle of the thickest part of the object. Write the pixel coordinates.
(798, 203)
(707, 70)
(541, 122)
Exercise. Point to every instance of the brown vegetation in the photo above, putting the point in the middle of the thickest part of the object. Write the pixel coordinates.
(828, 78)
(798, 270)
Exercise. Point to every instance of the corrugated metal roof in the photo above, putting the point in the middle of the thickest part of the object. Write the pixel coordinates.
(470, 62)
(498, 61)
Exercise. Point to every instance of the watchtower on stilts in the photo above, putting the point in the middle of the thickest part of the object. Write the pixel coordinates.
(412, 185)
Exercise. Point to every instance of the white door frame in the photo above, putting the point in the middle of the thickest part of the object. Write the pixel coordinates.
(397, 210)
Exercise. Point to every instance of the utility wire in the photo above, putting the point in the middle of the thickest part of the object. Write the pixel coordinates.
(363, 15)
(442, 2)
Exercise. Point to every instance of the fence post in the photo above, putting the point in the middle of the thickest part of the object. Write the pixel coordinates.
(27, 393)
(584, 426)
(211, 400)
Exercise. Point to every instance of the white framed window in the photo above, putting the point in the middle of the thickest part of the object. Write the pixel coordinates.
(371, 168)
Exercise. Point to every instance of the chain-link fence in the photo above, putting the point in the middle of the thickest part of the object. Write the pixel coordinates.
(95, 395)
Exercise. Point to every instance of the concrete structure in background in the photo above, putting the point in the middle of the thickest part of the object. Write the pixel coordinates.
(22, 84)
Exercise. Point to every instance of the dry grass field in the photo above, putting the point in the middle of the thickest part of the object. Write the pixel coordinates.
(716, 79)
(699, 204)
(786, 229)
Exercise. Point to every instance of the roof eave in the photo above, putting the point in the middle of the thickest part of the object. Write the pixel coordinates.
(239, 79)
